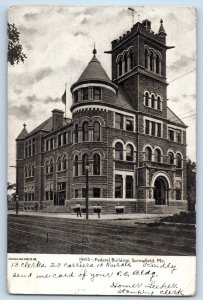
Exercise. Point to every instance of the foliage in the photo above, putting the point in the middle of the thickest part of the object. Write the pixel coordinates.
(11, 186)
(191, 184)
(15, 49)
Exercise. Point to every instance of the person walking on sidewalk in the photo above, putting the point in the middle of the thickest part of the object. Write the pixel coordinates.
(78, 209)
(17, 206)
(98, 210)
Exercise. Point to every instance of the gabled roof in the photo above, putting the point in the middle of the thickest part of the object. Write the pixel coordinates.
(173, 118)
(94, 70)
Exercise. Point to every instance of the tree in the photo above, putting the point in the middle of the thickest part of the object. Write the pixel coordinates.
(11, 186)
(191, 184)
(15, 49)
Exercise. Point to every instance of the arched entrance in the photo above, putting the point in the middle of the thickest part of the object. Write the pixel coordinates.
(161, 191)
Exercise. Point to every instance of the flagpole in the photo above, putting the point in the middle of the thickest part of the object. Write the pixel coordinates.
(66, 97)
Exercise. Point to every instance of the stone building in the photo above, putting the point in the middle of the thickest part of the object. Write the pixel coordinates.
(121, 132)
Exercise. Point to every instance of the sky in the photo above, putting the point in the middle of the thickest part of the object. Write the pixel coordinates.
(58, 42)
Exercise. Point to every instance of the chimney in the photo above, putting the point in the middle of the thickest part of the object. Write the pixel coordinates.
(57, 116)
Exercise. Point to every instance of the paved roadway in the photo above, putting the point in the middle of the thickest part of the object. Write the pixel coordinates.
(35, 234)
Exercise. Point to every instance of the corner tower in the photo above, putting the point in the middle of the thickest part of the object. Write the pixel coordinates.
(139, 67)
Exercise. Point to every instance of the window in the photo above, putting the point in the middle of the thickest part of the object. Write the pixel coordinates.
(151, 61)
(96, 93)
(178, 136)
(47, 167)
(146, 58)
(157, 64)
(96, 131)
(26, 149)
(158, 103)
(64, 163)
(153, 101)
(153, 132)
(148, 154)
(51, 143)
(129, 152)
(159, 129)
(125, 63)
(147, 127)
(147, 99)
(129, 187)
(64, 138)
(96, 164)
(119, 121)
(96, 192)
(29, 148)
(76, 98)
(157, 155)
(171, 158)
(85, 93)
(84, 163)
(29, 171)
(119, 151)
(51, 165)
(178, 190)
(171, 135)
(59, 140)
(47, 195)
(76, 193)
(76, 133)
(76, 165)
(33, 146)
(129, 124)
(47, 145)
(85, 131)
(59, 164)
(51, 191)
(120, 67)
(118, 186)
(84, 193)
(131, 59)
(178, 161)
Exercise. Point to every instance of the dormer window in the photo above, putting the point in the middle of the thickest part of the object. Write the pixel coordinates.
(97, 93)
(85, 94)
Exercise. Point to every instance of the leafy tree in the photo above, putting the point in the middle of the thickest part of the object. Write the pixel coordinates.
(191, 184)
(11, 186)
(15, 49)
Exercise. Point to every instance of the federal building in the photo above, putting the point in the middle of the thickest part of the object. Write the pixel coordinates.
(122, 136)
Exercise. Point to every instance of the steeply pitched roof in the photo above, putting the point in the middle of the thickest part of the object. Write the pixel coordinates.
(122, 99)
(23, 134)
(173, 118)
(95, 71)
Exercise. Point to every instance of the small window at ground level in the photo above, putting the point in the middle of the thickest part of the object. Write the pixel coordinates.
(96, 192)
(118, 186)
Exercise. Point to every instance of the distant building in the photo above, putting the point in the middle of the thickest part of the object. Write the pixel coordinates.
(122, 128)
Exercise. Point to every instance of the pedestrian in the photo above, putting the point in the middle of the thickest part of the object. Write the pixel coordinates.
(78, 209)
(98, 210)
(17, 206)
(36, 207)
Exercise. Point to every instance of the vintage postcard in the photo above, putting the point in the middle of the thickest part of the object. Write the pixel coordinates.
(102, 151)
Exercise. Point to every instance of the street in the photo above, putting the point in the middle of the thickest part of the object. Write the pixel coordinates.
(36, 234)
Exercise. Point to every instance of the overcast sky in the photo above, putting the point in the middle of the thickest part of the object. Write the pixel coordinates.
(58, 42)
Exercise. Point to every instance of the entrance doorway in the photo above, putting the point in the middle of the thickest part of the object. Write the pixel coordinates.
(161, 191)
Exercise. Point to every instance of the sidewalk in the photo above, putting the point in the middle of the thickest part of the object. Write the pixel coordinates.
(139, 218)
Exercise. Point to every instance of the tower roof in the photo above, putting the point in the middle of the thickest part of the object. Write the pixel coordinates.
(23, 133)
(161, 28)
(94, 70)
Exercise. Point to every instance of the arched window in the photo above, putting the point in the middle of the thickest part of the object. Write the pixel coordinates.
(153, 101)
(146, 58)
(158, 103)
(47, 167)
(32, 170)
(129, 152)
(148, 154)
(64, 163)
(120, 67)
(84, 163)
(119, 151)
(26, 172)
(178, 161)
(125, 63)
(171, 158)
(151, 61)
(96, 164)
(146, 99)
(76, 165)
(96, 131)
(76, 133)
(51, 164)
(131, 59)
(59, 164)
(29, 171)
(157, 155)
(85, 131)
(157, 64)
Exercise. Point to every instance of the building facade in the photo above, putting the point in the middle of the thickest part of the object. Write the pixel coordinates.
(121, 132)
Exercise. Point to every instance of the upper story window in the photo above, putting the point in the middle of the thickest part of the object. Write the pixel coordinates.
(96, 164)
(76, 165)
(119, 151)
(153, 60)
(84, 163)
(148, 154)
(87, 93)
(174, 135)
(152, 101)
(153, 128)
(157, 155)
(124, 61)
(96, 93)
(129, 153)
(85, 131)
(178, 161)
(129, 123)
(171, 158)
(76, 133)
(96, 131)
(118, 121)
(30, 147)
